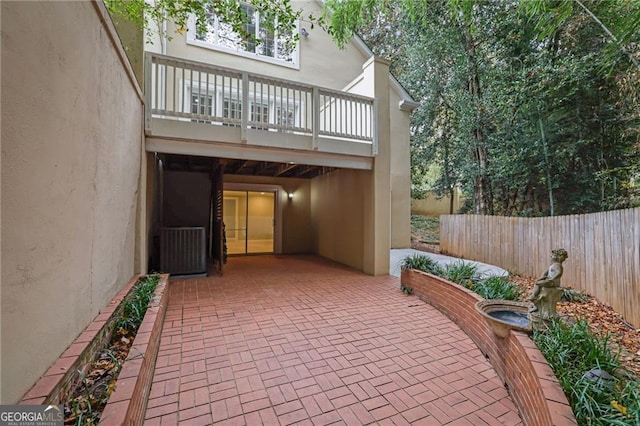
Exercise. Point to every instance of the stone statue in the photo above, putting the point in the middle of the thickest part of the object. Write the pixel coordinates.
(547, 290)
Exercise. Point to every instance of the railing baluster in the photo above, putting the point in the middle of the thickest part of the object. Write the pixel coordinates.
(285, 106)
(245, 107)
(316, 117)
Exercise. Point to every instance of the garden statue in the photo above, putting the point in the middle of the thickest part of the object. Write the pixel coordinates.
(547, 290)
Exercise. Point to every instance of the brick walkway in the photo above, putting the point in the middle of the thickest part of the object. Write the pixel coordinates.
(300, 340)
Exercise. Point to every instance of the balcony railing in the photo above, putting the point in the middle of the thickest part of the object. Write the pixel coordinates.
(185, 90)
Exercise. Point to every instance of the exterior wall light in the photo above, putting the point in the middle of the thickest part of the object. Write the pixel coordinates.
(304, 32)
(290, 195)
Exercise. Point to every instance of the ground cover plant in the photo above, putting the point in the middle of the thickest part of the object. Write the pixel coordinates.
(597, 398)
(93, 388)
(426, 228)
(465, 274)
(580, 359)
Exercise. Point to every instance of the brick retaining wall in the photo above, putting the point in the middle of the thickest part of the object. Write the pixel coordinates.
(127, 404)
(516, 359)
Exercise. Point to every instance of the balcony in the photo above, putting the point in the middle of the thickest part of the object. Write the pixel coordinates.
(251, 116)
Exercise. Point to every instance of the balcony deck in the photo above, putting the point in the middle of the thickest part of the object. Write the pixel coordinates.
(200, 109)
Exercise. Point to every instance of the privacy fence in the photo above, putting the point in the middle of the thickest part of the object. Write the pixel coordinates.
(604, 250)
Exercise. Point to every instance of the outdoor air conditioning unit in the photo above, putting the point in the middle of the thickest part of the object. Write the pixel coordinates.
(183, 250)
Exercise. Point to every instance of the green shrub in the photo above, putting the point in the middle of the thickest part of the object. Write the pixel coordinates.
(496, 288)
(421, 263)
(571, 351)
(460, 272)
(136, 305)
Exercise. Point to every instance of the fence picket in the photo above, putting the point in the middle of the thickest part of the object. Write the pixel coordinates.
(604, 250)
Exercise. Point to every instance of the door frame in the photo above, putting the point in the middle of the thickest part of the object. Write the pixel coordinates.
(280, 195)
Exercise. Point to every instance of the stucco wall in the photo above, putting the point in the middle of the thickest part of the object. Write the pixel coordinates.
(318, 56)
(400, 175)
(71, 138)
(337, 211)
(432, 205)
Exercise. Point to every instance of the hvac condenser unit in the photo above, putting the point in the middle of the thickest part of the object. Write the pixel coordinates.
(183, 250)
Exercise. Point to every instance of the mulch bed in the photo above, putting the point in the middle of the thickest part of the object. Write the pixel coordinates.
(603, 319)
(94, 388)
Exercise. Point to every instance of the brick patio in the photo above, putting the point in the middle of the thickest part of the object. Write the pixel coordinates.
(301, 340)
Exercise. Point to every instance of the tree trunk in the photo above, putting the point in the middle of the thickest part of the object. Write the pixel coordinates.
(482, 191)
(547, 166)
(452, 193)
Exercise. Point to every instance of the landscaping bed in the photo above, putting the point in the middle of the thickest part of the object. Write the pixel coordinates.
(580, 359)
(91, 390)
(517, 361)
(105, 374)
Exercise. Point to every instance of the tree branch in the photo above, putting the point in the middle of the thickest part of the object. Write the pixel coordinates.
(609, 33)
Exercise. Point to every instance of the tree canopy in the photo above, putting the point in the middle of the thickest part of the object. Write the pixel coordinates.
(531, 106)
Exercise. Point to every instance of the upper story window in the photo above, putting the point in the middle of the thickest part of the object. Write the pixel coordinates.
(259, 40)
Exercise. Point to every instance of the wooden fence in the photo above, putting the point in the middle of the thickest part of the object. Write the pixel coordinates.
(604, 250)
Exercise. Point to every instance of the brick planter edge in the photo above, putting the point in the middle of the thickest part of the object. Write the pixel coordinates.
(516, 359)
(128, 402)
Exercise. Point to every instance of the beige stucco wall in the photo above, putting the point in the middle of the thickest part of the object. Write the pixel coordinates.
(385, 195)
(337, 212)
(399, 165)
(400, 175)
(319, 56)
(433, 205)
(71, 138)
(296, 213)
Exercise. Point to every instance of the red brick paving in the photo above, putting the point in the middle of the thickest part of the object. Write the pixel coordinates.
(301, 340)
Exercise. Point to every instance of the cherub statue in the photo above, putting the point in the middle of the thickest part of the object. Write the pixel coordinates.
(551, 277)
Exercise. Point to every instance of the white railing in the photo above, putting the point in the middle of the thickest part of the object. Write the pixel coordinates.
(191, 91)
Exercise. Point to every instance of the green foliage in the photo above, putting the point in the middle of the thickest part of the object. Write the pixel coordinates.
(531, 106)
(524, 104)
(427, 227)
(572, 350)
(135, 306)
(496, 288)
(463, 274)
(406, 290)
(421, 263)
(460, 272)
(282, 17)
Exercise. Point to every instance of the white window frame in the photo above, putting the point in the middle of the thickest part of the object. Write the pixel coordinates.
(272, 104)
(192, 40)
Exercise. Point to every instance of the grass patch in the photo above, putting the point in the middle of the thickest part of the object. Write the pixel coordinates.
(572, 350)
(427, 228)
